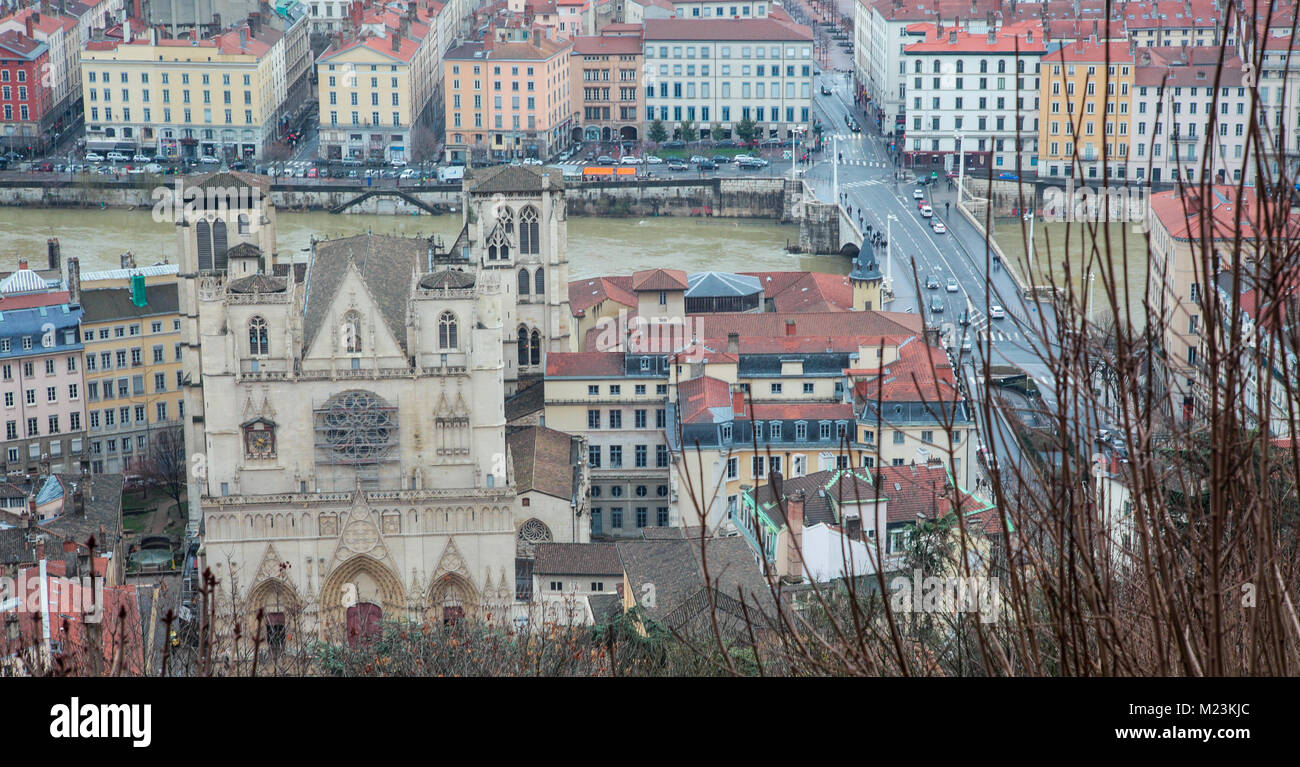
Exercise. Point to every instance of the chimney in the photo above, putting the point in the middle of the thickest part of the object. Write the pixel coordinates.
(243, 37)
(794, 527)
(30, 22)
(993, 36)
(138, 13)
(789, 327)
(397, 41)
(52, 249)
(733, 343)
(1029, 36)
(775, 481)
(74, 280)
(78, 501)
(40, 548)
(69, 547)
(31, 505)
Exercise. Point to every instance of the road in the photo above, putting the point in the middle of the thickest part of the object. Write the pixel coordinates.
(866, 178)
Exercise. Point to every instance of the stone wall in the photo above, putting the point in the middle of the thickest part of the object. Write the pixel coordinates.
(710, 197)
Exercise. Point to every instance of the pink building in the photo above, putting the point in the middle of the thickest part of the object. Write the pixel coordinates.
(41, 397)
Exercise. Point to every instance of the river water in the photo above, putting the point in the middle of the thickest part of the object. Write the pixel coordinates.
(597, 246)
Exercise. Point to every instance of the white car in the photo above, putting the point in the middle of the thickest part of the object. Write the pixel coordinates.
(532, 161)
(741, 157)
(135, 171)
(697, 159)
(142, 158)
(917, 194)
(397, 163)
(939, 228)
(94, 157)
(631, 160)
(409, 173)
(209, 160)
(926, 211)
(116, 157)
(652, 160)
(997, 312)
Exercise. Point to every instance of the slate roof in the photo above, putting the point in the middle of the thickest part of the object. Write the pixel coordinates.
(454, 279)
(230, 178)
(257, 283)
(578, 559)
(529, 400)
(106, 304)
(510, 178)
(299, 269)
(714, 284)
(244, 250)
(387, 266)
(605, 607)
(543, 461)
(103, 511)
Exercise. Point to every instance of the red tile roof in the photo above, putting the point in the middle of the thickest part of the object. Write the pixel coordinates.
(596, 45)
(583, 364)
(794, 411)
(921, 491)
(697, 396)
(584, 294)
(922, 373)
(806, 291)
(1090, 53)
(769, 332)
(659, 279)
(1185, 217)
(1025, 37)
(748, 30)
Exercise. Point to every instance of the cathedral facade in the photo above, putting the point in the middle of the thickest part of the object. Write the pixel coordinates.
(345, 422)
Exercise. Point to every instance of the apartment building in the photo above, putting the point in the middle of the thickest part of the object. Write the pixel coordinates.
(1181, 23)
(377, 86)
(722, 9)
(606, 88)
(25, 97)
(59, 33)
(712, 74)
(973, 93)
(508, 96)
(1085, 111)
(1275, 50)
(221, 97)
(41, 381)
(1188, 111)
(134, 383)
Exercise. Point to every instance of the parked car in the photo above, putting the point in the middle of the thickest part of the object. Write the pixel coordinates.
(926, 211)
(605, 159)
(116, 157)
(697, 159)
(707, 165)
(399, 163)
(748, 163)
(721, 159)
(141, 158)
(209, 160)
(94, 157)
(727, 144)
(1008, 177)
(153, 167)
(677, 165)
(996, 312)
(932, 282)
(953, 287)
(532, 161)
(631, 159)
(674, 144)
(938, 227)
(652, 160)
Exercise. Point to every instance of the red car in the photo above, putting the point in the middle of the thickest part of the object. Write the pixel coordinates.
(921, 203)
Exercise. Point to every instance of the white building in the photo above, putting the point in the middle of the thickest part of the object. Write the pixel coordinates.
(716, 73)
(973, 92)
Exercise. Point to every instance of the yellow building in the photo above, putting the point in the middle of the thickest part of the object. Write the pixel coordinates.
(376, 87)
(221, 97)
(133, 378)
(1087, 94)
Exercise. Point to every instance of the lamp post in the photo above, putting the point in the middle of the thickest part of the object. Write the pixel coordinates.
(835, 167)
(1092, 283)
(1030, 218)
(961, 168)
(889, 250)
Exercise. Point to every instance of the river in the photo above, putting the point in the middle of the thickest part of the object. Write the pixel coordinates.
(597, 246)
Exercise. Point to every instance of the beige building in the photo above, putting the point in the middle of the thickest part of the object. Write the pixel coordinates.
(220, 97)
(606, 71)
(377, 85)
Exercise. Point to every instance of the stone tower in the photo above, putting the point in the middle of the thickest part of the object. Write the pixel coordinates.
(517, 221)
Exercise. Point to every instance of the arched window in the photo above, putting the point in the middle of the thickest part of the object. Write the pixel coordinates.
(528, 230)
(540, 282)
(936, 66)
(984, 66)
(506, 217)
(203, 234)
(219, 244)
(259, 343)
(243, 223)
(447, 331)
(1020, 66)
(350, 332)
(523, 282)
(961, 66)
(523, 346)
(917, 68)
(1002, 66)
(535, 350)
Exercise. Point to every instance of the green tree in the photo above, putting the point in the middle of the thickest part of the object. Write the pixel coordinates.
(658, 133)
(689, 133)
(746, 129)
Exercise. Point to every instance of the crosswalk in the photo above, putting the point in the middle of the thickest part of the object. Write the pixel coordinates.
(865, 183)
(864, 163)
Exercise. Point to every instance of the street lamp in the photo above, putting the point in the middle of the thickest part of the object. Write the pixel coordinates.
(889, 245)
(1030, 218)
(961, 167)
(1092, 283)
